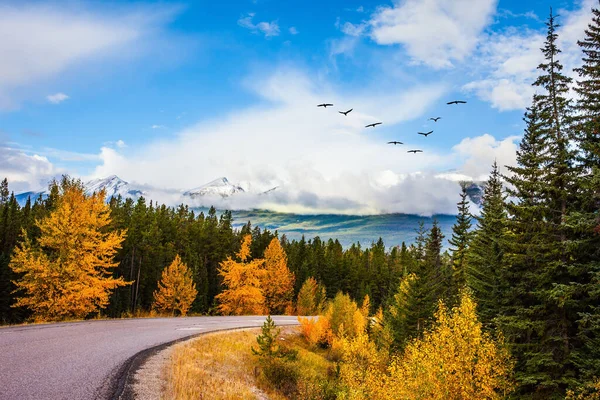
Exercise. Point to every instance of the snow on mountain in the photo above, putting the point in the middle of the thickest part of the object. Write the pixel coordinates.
(113, 186)
(219, 187)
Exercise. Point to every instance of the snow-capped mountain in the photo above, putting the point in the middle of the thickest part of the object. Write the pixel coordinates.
(113, 186)
(219, 187)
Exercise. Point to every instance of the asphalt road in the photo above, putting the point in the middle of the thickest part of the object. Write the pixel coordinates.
(82, 360)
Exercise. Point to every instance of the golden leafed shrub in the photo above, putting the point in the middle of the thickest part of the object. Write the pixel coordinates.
(362, 366)
(345, 318)
(316, 331)
(176, 290)
(455, 359)
(588, 392)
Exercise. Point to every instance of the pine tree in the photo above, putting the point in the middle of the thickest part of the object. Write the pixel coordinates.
(67, 273)
(267, 341)
(278, 281)
(176, 290)
(399, 318)
(242, 279)
(415, 300)
(485, 258)
(587, 218)
(4, 193)
(539, 306)
(461, 237)
(433, 270)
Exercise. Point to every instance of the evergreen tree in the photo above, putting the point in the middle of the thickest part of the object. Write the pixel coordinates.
(485, 258)
(587, 128)
(414, 303)
(460, 240)
(539, 307)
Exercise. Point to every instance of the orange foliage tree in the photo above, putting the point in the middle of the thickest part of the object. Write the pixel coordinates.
(278, 281)
(243, 294)
(176, 290)
(67, 273)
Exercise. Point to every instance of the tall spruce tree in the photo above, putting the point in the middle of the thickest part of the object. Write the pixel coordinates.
(485, 258)
(412, 306)
(538, 308)
(460, 240)
(587, 219)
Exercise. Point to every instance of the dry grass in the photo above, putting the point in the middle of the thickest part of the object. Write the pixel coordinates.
(215, 366)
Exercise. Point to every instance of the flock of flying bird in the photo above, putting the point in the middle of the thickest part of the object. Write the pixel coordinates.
(395, 142)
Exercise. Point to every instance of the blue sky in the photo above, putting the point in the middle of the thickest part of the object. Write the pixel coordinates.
(175, 94)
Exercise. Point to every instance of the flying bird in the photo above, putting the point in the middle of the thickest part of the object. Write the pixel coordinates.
(415, 151)
(346, 112)
(425, 133)
(373, 125)
(457, 102)
(394, 142)
(325, 105)
(434, 119)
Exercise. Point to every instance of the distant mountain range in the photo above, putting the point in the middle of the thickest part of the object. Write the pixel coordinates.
(393, 228)
(115, 186)
(219, 188)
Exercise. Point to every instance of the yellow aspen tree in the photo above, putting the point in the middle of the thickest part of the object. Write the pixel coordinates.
(176, 290)
(278, 282)
(243, 294)
(455, 359)
(67, 273)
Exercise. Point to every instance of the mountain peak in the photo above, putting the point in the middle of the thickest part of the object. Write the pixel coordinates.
(220, 187)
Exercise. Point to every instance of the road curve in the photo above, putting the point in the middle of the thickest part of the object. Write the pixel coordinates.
(82, 360)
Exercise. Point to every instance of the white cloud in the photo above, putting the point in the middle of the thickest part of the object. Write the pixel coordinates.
(269, 29)
(293, 30)
(434, 32)
(57, 98)
(477, 154)
(322, 162)
(120, 144)
(25, 172)
(352, 29)
(509, 59)
(39, 42)
(155, 126)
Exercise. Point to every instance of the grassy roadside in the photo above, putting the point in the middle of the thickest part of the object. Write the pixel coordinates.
(217, 365)
(221, 366)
